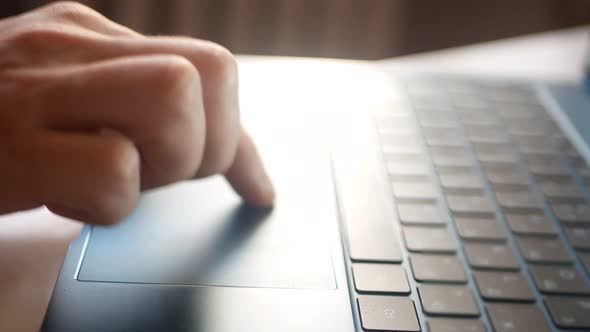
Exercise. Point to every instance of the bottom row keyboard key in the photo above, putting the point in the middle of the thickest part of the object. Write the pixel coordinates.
(516, 317)
(448, 300)
(455, 325)
(568, 312)
(387, 313)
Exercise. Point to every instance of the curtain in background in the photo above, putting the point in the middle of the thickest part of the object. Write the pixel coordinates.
(364, 29)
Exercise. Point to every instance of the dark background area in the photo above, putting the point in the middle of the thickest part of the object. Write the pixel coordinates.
(362, 29)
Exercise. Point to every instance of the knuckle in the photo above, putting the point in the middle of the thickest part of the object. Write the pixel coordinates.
(71, 11)
(221, 64)
(179, 88)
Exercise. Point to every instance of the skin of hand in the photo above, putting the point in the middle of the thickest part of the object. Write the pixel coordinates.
(92, 113)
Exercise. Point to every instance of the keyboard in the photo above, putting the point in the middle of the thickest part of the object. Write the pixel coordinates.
(491, 226)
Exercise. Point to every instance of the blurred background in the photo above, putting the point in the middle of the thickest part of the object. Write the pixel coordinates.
(359, 29)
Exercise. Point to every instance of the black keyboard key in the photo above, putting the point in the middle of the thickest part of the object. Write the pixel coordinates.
(486, 134)
(373, 242)
(442, 137)
(461, 183)
(455, 158)
(380, 278)
(559, 280)
(455, 325)
(518, 201)
(543, 250)
(568, 312)
(437, 119)
(470, 205)
(448, 300)
(547, 168)
(414, 191)
(572, 213)
(422, 214)
(429, 239)
(490, 256)
(534, 145)
(562, 192)
(525, 127)
(486, 229)
(510, 179)
(401, 144)
(503, 286)
(408, 170)
(387, 313)
(530, 224)
(516, 317)
(437, 268)
(579, 237)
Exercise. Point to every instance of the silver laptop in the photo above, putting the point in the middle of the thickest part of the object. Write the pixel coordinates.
(450, 203)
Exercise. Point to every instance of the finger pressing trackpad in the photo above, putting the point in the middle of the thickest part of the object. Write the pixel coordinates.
(199, 233)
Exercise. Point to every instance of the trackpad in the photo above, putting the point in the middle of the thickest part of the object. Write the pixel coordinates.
(199, 233)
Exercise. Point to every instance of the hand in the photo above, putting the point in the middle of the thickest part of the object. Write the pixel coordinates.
(91, 113)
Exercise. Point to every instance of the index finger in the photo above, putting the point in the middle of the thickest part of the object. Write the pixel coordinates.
(247, 174)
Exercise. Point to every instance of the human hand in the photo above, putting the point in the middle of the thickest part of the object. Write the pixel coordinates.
(91, 113)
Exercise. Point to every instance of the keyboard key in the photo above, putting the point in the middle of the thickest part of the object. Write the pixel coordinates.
(510, 110)
(396, 123)
(490, 256)
(507, 179)
(424, 214)
(380, 278)
(576, 214)
(562, 192)
(469, 101)
(543, 250)
(487, 229)
(525, 127)
(495, 155)
(401, 144)
(503, 286)
(437, 268)
(530, 224)
(521, 201)
(387, 313)
(451, 158)
(397, 170)
(414, 191)
(516, 317)
(471, 117)
(579, 237)
(470, 205)
(437, 119)
(431, 102)
(461, 183)
(534, 145)
(443, 137)
(569, 313)
(559, 280)
(455, 325)
(547, 168)
(448, 300)
(370, 241)
(486, 134)
(428, 239)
